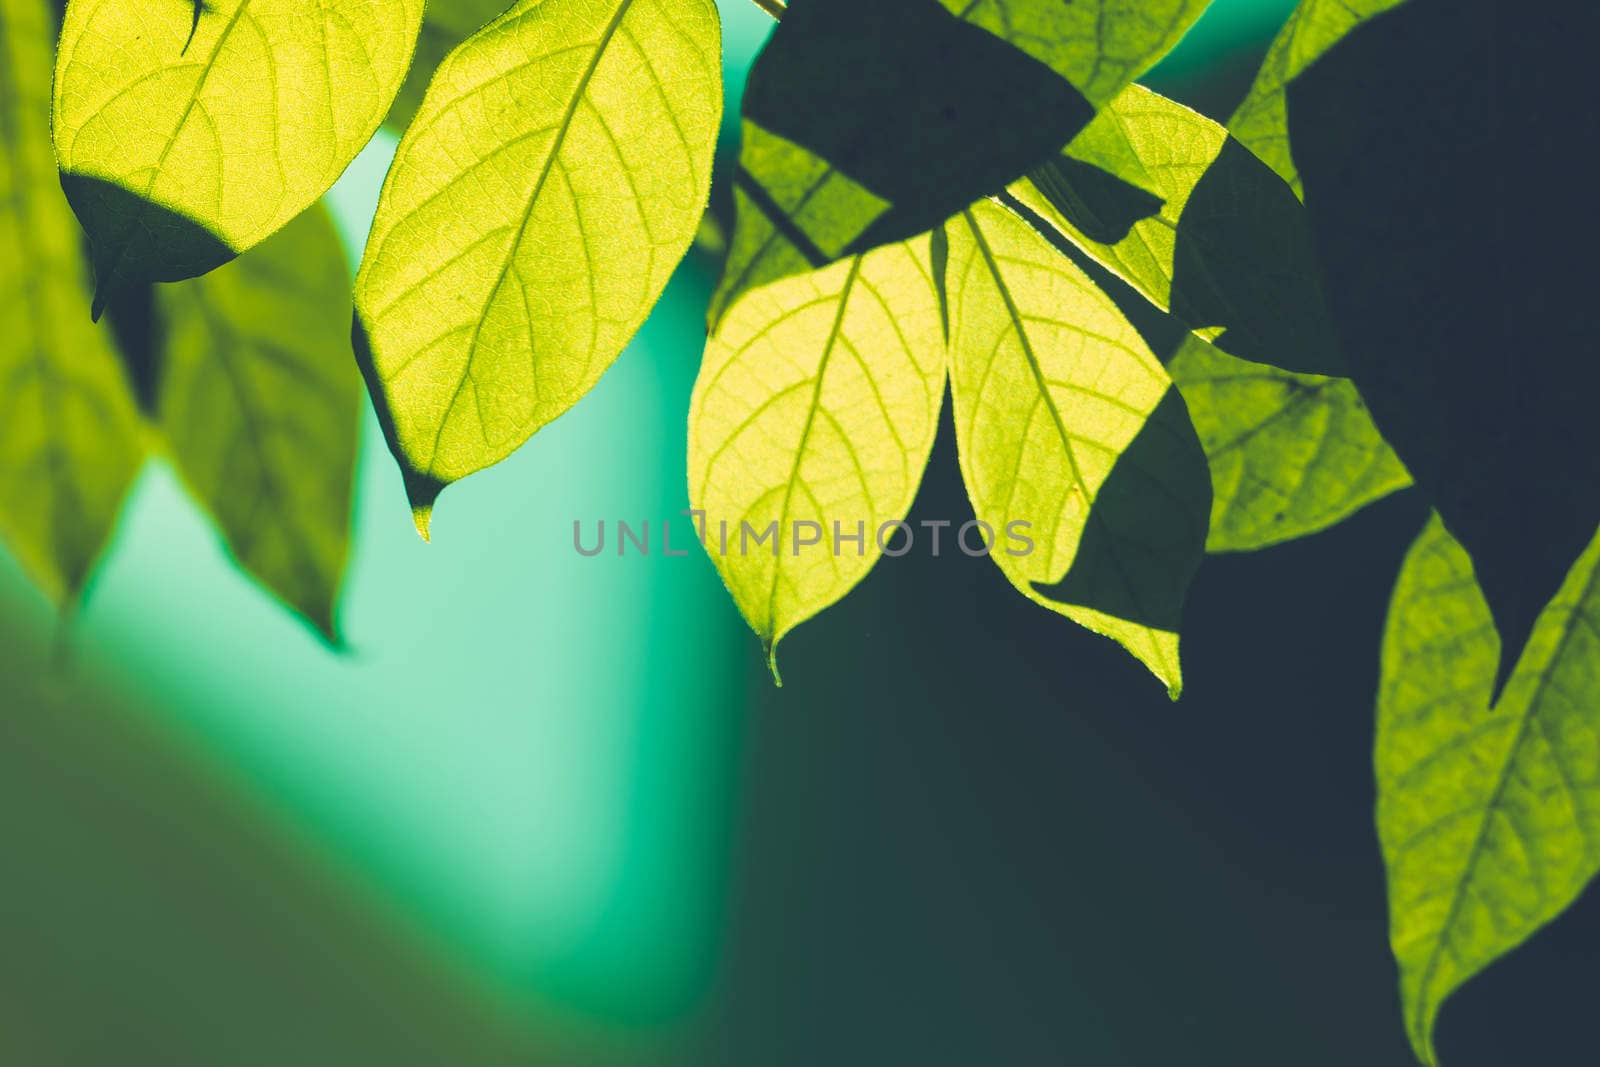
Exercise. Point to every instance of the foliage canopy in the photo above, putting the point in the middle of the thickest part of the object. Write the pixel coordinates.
(1161, 335)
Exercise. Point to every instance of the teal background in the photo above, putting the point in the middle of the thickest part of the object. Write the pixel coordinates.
(550, 809)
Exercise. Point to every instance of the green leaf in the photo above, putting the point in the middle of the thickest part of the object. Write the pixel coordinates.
(817, 403)
(1425, 137)
(1290, 454)
(1261, 122)
(550, 183)
(1065, 420)
(961, 100)
(445, 24)
(1489, 817)
(261, 403)
(189, 130)
(69, 437)
(1227, 246)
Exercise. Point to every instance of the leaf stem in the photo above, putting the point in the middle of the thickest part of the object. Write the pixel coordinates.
(775, 8)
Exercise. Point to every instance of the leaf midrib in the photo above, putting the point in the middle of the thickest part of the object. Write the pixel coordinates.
(1419, 1021)
(834, 331)
(561, 132)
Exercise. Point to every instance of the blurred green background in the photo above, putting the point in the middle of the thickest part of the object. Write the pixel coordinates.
(551, 810)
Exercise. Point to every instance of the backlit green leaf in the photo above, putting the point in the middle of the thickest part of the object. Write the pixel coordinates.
(445, 24)
(550, 183)
(817, 403)
(961, 101)
(1290, 454)
(1225, 244)
(260, 403)
(1261, 122)
(1489, 817)
(1065, 420)
(69, 438)
(189, 130)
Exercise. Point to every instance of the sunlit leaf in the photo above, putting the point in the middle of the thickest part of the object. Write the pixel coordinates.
(1224, 243)
(550, 183)
(260, 403)
(1489, 817)
(1436, 150)
(69, 438)
(1065, 420)
(1261, 122)
(949, 103)
(816, 404)
(445, 24)
(189, 130)
(1290, 454)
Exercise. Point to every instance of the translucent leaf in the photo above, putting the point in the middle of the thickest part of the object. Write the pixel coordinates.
(1224, 245)
(550, 183)
(1261, 122)
(816, 404)
(1489, 816)
(960, 102)
(189, 130)
(1066, 421)
(260, 403)
(1290, 454)
(69, 438)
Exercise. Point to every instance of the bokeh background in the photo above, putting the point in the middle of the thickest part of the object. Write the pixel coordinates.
(551, 810)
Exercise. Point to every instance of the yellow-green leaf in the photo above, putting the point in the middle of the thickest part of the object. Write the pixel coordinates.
(189, 130)
(1489, 816)
(550, 183)
(260, 403)
(1261, 122)
(816, 404)
(1290, 453)
(1225, 245)
(1067, 421)
(833, 166)
(69, 437)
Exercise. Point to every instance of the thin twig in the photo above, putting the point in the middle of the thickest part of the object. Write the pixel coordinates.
(775, 8)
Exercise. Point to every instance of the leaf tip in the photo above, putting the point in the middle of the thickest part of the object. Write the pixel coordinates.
(422, 515)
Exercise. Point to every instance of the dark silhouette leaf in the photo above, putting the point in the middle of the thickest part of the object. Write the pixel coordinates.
(1434, 141)
(945, 102)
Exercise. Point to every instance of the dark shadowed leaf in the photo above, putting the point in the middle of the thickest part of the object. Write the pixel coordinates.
(1261, 121)
(1489, 813)
(1227, 247)
(189, 130)
(260, 401)
(549, 185)
(944, 102)
(69, 436)
(1066, 421)
(1434, 142)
